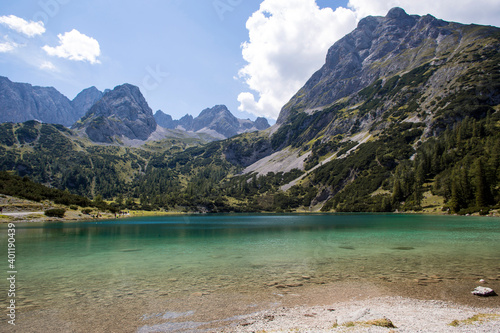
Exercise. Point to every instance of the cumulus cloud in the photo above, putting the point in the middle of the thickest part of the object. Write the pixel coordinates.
(29, 29)
(7, 47)
(288, 41)
(76, 46)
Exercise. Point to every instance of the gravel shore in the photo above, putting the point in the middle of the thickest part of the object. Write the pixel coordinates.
(382, 314)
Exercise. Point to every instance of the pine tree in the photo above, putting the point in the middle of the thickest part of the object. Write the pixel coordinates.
(483, 193)
(461, 190)
(418, 196)
(397, 193)
(455, 198)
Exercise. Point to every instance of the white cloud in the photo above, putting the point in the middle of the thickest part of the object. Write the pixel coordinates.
(7, 47)
(74, 45)
(288, 41)
(48, 66)
(30, 29)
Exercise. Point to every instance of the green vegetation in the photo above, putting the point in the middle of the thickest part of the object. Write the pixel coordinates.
(475, 319)
(55, 212)
(384, 322)
(354, 178)
(23, 187)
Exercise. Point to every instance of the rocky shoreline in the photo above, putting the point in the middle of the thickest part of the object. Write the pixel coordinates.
(345, 306)
(381, 314)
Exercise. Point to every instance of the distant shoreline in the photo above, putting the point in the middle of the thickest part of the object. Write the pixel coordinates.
(77, 216)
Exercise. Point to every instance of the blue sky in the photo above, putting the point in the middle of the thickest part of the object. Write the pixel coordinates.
(250, 55)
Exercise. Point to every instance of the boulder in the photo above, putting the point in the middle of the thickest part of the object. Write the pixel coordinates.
(484, 292)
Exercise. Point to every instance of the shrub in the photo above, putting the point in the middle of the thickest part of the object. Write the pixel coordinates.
(55, 212)
(87, 211)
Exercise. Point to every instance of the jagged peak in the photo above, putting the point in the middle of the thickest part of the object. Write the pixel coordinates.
(92, 88)
(397, 13)
(125, 87)
(370, 22)
(186, 117)
(216, 110)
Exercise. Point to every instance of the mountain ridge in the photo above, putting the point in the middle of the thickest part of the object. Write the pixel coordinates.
(218, 121)
(21, 102)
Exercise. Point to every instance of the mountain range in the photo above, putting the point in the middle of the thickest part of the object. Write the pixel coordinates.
(105, 117)
(403, 115)
(217, 121)
(21, 102)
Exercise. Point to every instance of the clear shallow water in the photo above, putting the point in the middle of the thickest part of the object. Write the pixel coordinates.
(100, 263)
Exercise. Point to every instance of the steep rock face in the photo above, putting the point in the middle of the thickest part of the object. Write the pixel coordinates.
(261, 123)
(164, 120)
(20, 102)
(379, 47)
(120, 112)
(85, 100)
(186, 122)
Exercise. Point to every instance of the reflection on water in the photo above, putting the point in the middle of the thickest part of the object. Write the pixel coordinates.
(99, 263)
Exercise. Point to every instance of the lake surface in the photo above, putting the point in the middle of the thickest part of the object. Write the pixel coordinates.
(67, 271)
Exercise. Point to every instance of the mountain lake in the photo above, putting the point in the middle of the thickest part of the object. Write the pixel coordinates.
(190, 272)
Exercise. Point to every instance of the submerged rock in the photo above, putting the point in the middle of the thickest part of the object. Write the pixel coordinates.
(484, 292)
(403, 248)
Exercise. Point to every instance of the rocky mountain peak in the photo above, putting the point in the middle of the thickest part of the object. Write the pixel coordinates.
(122, 111)
(261, 123)
(219, 119)
(164, 120)
(125, 101)
(377, 48)
(397, 13)
(186, 122)
(86, 99)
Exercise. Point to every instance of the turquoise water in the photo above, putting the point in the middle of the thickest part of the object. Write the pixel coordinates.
(176, 256)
